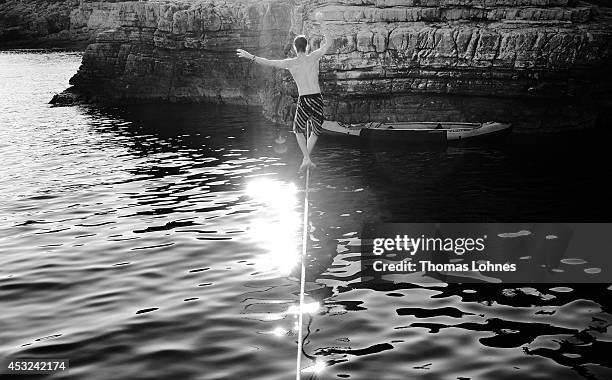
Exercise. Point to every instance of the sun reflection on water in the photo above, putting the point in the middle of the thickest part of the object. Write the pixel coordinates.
(316, 368)
(279, 331)
(278, 232)
(307, 308)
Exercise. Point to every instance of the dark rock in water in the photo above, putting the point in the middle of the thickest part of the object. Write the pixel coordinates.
(68, 97)
(541, 64)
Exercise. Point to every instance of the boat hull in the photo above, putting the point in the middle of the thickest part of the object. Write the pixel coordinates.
(419, 132)
(432, 136)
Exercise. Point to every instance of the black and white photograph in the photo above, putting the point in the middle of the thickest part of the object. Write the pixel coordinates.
(305, 189)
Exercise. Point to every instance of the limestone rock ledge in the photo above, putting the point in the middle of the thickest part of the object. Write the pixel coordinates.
(538, 63)
(54, 23)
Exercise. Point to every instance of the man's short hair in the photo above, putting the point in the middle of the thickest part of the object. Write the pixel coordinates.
(300, 43)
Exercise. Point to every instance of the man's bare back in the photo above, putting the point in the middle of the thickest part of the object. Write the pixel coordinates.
(304, 68)
(305, 72)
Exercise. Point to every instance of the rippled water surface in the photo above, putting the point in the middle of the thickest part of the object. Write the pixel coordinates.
(160, 242)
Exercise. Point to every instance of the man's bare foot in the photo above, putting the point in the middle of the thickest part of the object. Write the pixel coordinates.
(307, 164)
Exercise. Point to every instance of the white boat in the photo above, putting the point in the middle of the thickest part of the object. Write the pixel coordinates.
(418, 132)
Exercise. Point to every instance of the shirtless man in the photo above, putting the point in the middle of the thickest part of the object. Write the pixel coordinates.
(305, 71)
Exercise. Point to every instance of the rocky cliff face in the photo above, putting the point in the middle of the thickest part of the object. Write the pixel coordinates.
(54, 23)
(23, 22)
(538, 63)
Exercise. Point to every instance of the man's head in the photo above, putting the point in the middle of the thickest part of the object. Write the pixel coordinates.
(300, 43)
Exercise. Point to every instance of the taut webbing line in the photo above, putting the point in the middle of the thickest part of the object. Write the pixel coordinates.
(300, 342)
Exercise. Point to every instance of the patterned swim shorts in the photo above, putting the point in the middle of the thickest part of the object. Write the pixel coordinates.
(309, 107)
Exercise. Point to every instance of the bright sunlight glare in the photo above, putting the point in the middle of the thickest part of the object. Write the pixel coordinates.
(279, 331)
(278, 227)
(307, 308)
(273, 193)
(318, 367)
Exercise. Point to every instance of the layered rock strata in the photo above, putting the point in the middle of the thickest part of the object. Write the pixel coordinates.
(54, 23)
(538, 63)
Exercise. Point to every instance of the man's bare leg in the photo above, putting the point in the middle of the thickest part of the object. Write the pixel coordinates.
(303, 144)
(312, 141)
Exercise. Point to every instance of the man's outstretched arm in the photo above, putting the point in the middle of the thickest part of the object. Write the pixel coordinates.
(280, 63)
(327, 41)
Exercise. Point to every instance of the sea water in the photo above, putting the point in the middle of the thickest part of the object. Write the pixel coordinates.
(161, 242)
